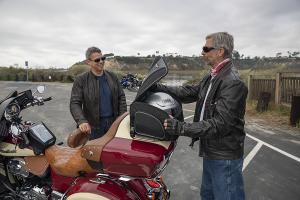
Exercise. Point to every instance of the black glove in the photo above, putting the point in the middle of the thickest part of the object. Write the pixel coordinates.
(174, 127)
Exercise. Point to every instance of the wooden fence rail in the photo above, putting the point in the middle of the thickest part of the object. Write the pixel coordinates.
(282, 88)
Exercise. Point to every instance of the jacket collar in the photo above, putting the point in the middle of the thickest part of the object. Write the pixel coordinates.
(93, 75)
(108, 77)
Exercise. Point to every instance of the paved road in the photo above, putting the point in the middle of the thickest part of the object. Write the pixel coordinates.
(272, 158)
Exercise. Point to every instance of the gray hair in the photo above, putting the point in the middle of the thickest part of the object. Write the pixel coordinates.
(222, 40)
(90, 51)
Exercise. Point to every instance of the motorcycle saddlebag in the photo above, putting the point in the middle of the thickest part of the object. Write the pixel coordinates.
(147, 120)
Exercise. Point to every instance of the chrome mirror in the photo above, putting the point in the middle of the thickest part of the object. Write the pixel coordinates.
(40, 89)
(15, 130)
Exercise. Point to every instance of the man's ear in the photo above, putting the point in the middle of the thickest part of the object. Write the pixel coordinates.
(87, 62)
(222, 52)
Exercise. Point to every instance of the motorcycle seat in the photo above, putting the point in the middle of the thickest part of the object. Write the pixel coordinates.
(36, 165)
(77, 138)
(67, 161)
(93, 148)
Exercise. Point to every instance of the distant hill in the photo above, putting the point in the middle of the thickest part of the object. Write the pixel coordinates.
(179, 63)
(266, 63)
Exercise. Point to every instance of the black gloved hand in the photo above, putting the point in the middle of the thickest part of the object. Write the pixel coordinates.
(174, 127)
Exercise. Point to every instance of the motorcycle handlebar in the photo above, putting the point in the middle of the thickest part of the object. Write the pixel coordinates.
(39, 101)
(48, 99)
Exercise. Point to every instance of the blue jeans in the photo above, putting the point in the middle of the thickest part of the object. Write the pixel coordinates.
(222, 180)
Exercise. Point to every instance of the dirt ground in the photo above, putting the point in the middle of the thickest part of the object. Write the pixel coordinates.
(270, 120)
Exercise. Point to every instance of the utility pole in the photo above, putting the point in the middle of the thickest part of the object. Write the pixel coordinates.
(26, 64)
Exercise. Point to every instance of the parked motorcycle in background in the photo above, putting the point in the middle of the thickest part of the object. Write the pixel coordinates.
(126, 163)
(131, 82)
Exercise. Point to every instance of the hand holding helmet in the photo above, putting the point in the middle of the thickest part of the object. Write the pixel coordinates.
(174, 127)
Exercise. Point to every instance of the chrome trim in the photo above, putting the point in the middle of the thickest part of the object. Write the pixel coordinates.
(125, 178)
(97, 180)
(55, 195)
(160, 169)
(103, 175)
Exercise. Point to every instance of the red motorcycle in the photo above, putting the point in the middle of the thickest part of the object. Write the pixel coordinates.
(126, 163)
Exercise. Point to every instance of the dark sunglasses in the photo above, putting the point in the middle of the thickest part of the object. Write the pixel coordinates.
(98, 59)
(207, 49)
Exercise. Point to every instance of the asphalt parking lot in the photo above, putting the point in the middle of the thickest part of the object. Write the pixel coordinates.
(272, 158)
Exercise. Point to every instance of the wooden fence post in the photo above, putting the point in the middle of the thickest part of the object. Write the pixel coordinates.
(278, 89)
(295, 111)
(249, 87)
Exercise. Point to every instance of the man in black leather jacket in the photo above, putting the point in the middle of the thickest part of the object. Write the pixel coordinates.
(218, 121)
(97, 98)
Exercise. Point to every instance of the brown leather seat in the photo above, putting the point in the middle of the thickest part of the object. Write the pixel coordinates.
(93, 148)
(69, 162)
(36, 165)
(66, 161)
(77, 138)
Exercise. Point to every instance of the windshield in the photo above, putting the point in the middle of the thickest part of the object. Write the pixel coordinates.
(158, 70)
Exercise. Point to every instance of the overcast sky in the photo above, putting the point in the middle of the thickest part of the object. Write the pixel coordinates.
(57, 32)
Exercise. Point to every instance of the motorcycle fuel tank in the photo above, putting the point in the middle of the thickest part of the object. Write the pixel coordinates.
(134, 157)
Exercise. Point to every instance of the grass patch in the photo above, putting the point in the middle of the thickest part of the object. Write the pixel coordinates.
(276, 115)
(273, 109)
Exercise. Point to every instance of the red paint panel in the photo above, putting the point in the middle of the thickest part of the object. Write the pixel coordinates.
(131, 157)
(60, 183)
(109, 189)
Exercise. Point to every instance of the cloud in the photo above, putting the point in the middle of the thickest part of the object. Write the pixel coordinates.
(57, 33)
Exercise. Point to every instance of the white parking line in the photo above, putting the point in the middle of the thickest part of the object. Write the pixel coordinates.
(254, 151)
(189, 110)
(251, 155)
(188, 117)
(275, 148)
(130, 95)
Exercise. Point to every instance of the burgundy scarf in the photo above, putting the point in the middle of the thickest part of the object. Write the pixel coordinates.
(216, 69)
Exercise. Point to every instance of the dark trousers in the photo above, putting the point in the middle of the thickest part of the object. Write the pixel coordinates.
(97, 132)
(222, 180)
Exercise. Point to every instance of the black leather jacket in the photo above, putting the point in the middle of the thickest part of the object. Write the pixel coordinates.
(221, 131)
(84, 102)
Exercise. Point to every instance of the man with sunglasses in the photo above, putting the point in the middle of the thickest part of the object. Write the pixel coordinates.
(218, 120)
(97, 98)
